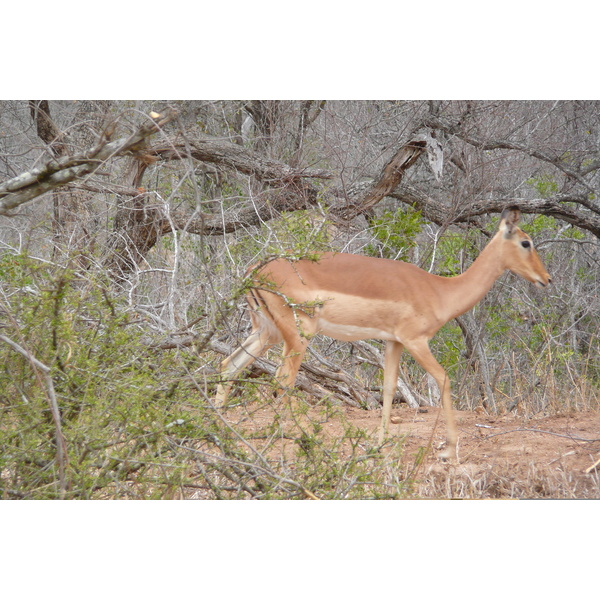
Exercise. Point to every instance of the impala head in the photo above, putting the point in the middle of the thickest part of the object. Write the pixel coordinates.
(518, 252)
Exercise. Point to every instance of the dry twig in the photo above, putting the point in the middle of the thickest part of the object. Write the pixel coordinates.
(61, 445)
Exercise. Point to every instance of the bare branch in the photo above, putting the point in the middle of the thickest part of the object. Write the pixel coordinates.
(237, 158)
(392, 174)
(495, 144)
(56, 173)
(557, 207)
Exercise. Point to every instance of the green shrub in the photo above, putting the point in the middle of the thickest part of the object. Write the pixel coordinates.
(113, 391)
(395, 234)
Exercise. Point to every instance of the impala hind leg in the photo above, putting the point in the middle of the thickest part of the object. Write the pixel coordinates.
(419, 349)
(296, 333)
(292, 407)
(393, 350)
(293, 355)
(263, 337)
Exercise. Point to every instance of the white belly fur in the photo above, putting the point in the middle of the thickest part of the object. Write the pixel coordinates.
(351, 333)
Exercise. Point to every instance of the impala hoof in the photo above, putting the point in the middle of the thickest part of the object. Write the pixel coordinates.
(449, 454)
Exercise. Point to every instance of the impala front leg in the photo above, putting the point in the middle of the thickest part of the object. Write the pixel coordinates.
(393, 350)
(422, 354)
(451, 451)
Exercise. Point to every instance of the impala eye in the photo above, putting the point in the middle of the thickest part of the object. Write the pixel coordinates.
(526, 244)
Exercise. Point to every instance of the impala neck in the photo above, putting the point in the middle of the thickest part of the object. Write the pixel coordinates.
(467, 289)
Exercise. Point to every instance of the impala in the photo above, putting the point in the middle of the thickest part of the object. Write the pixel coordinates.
(352, 297)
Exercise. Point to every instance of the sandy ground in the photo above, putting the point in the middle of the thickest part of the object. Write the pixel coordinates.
(507, 456)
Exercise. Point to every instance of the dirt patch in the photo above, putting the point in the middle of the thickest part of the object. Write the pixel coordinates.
(499, 456)
(572, 440)
(507, 456)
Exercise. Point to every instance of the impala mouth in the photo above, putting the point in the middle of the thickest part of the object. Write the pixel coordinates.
(542, 284)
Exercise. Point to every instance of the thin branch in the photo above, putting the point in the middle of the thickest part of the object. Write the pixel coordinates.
(564, 435)
(444, 125)
(61, 445)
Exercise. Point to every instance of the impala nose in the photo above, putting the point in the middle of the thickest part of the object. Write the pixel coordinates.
(542, 283)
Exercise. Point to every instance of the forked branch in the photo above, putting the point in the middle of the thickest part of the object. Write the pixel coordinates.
(60, 172)
(394, 171)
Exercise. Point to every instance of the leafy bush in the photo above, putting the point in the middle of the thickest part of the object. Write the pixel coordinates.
(116, 395)
(395, 234)
(544, 184)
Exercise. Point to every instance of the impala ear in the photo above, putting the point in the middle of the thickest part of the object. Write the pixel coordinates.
(508, 220)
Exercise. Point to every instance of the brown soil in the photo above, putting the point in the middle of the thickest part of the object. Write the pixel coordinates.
(499, 456)
(571, 440)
